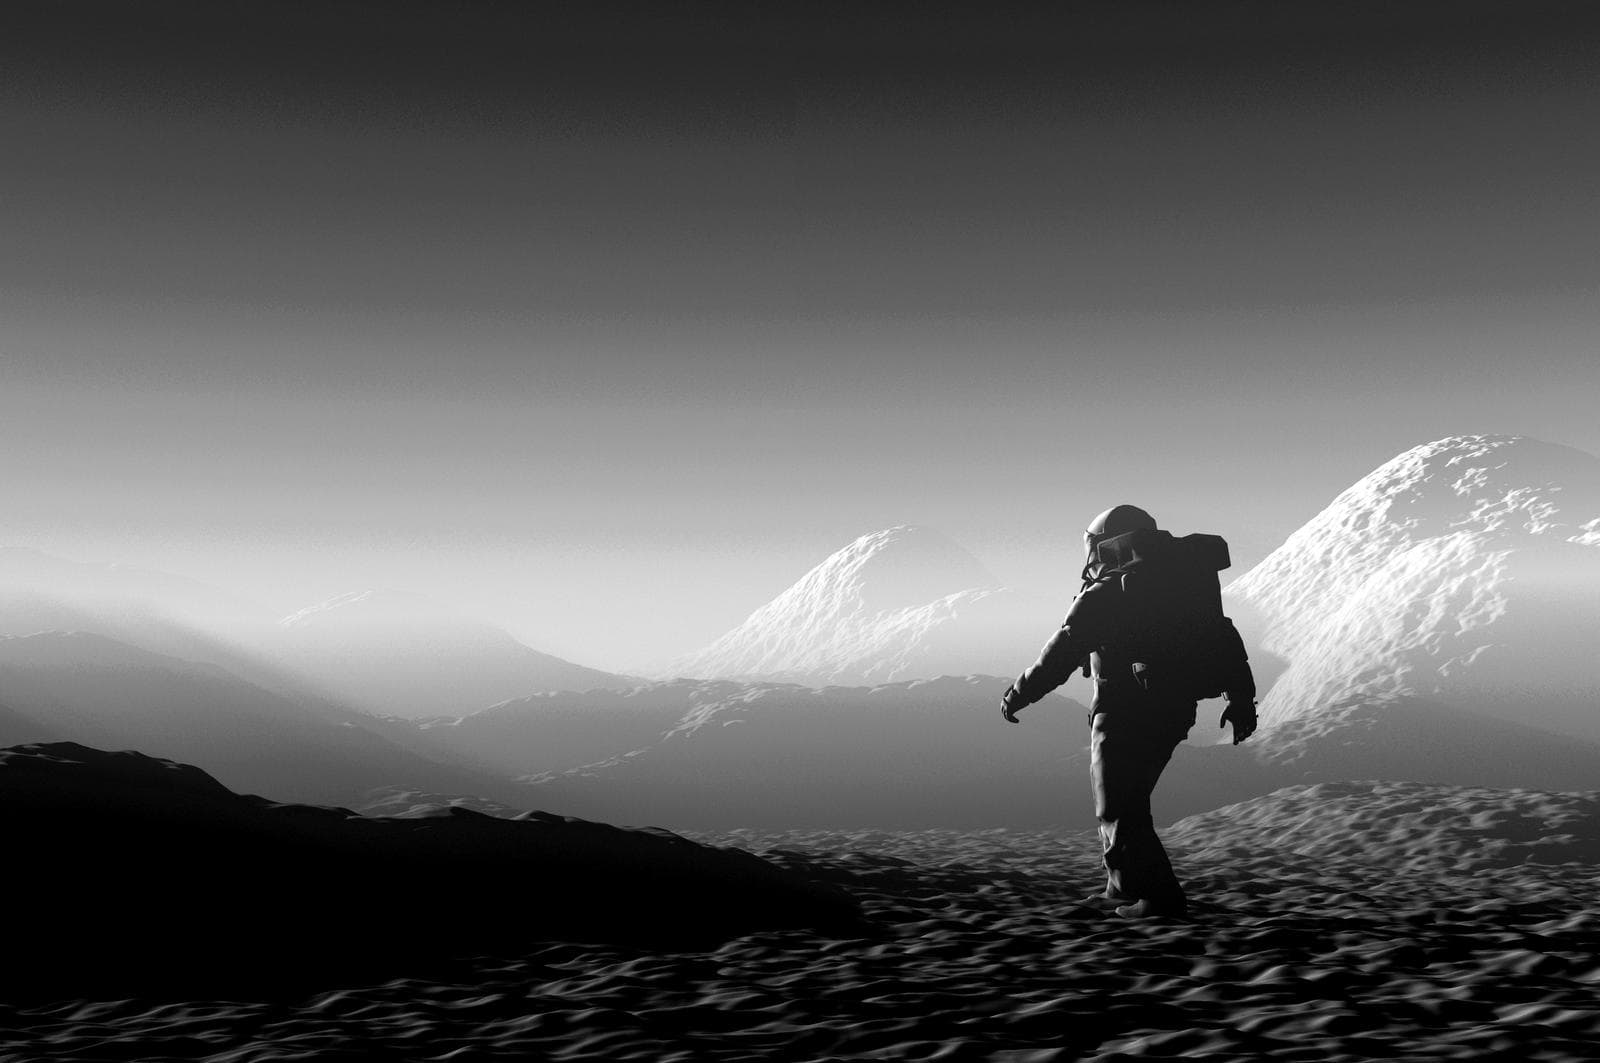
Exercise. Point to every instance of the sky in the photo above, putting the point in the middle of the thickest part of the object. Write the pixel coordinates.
(608, 321)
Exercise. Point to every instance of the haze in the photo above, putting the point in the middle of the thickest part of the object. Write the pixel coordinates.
(608, 338)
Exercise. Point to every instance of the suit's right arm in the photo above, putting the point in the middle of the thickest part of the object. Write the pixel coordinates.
(1240, 687)
(1241, 682)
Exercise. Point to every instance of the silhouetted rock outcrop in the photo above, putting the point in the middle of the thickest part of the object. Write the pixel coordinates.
(133, 874)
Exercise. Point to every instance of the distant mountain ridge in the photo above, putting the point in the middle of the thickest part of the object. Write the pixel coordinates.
(564, 729)
(155, 611)
(88, 688)
(902, 603)
(33, 575)
(400, 654)
(898, 756)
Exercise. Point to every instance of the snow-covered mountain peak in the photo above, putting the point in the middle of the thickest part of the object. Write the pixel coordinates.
(906, 565)
(1474, 483)
(1463, 570)
(904, 602)
(1492, 489)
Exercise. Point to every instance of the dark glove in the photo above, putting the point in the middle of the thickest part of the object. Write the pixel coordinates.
(1011, 703)
(1242, 714)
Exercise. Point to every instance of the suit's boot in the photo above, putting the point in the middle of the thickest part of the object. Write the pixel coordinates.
(1108, 899)
(1154, 909)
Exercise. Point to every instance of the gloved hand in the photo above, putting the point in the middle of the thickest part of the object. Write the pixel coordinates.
(1242, 714)
(1010, 704)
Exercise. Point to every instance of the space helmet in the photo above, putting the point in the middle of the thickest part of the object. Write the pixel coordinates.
(1118, 520)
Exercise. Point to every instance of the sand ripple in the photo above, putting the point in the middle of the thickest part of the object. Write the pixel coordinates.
(984, 954)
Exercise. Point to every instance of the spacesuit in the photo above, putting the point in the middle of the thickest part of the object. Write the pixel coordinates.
(1133, 730)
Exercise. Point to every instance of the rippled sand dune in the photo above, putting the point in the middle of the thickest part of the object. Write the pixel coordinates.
(1350, 921)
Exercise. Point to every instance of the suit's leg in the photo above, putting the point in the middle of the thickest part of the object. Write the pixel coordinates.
(1126, 760)
(1105, 802)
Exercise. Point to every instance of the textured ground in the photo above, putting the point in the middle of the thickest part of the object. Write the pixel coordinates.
(1305, 946)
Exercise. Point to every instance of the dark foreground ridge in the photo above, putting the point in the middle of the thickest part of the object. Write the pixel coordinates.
(132, 874)
(1357, 945)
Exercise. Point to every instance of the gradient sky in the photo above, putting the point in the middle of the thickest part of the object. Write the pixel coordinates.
(607, 322)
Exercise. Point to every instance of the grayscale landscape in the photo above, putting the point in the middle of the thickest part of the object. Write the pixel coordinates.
(519, 522)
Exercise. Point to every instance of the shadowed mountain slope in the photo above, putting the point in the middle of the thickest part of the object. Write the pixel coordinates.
(925, 753)
(16, 728)
(560, 730)
(215, 891)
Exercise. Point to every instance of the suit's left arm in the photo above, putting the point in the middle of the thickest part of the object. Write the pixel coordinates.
(1080, 633)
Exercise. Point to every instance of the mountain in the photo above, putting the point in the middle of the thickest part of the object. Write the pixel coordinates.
(558, 730)
(897, 604)
(1434, 624)
(87, 688)
(384, 652)
(138, 874)
(398, 654)
(1448, 598)
(29, 576)
(163, 613)
(909, 755)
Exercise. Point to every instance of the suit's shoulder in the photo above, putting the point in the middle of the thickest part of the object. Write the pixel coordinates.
(1102, 589)
(1095, 601)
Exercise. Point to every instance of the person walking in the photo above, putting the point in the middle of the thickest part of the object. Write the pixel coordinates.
(1148, 627)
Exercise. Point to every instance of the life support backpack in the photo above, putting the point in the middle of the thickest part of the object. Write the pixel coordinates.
(1173, 625)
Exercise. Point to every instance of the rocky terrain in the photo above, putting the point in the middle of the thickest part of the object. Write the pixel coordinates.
(1403, 864)
(134, 874)
(1361, 921)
